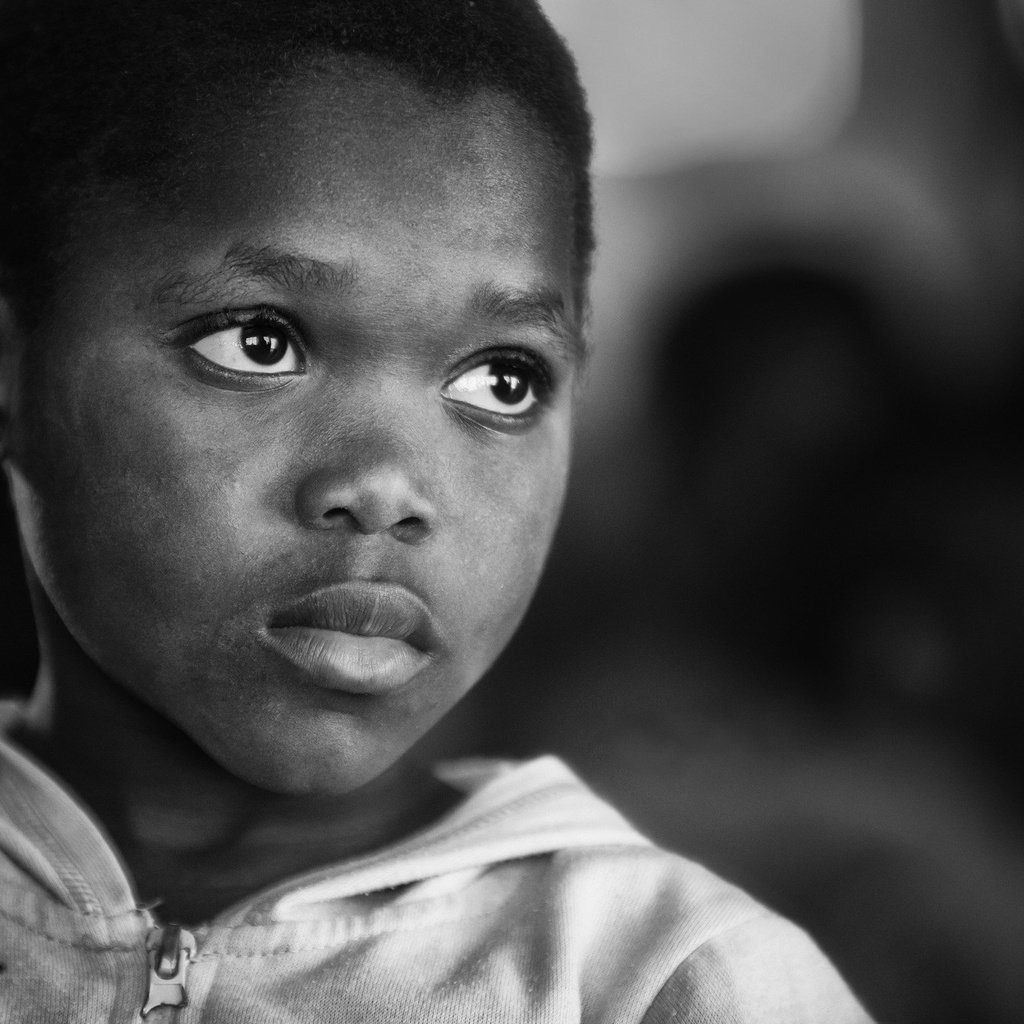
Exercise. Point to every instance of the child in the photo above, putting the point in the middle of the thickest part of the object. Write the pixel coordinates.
(292, 306)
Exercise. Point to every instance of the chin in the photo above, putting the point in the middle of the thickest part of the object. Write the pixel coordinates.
(294, 763)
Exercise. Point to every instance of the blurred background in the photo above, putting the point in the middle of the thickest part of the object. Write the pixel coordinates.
(783, 623)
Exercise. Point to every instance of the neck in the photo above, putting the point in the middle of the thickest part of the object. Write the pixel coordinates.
(194, 836)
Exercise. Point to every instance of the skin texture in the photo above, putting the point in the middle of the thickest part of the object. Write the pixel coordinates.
(168, 511)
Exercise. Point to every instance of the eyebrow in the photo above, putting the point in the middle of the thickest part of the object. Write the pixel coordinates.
(254, 263)
(542, 308)
(530, 307)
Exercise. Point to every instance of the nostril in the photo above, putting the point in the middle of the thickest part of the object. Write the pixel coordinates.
(340, 516)
(382, 500)
(411, 529)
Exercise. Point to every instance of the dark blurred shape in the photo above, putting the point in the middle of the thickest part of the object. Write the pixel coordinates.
(767, 389)
(847, 521)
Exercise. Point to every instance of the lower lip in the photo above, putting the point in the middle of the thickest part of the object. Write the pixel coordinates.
(348, 662)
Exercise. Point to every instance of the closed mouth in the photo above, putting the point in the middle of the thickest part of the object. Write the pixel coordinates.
(355, 637)
(362, 608)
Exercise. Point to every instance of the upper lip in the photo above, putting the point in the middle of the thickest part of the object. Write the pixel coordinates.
(363, 608)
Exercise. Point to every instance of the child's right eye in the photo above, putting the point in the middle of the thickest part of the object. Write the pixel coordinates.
(257, 348)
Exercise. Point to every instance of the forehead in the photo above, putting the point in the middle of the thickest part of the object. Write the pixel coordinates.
(355, 127)
(366, 178)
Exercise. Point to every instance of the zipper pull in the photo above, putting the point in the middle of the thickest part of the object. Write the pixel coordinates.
(171, 949)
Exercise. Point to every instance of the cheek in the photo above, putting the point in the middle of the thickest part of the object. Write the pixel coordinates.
(511, 513)
(125, 509)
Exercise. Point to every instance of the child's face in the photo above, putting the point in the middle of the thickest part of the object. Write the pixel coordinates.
(179, 495)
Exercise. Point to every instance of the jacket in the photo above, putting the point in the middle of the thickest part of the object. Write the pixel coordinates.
(531, 901)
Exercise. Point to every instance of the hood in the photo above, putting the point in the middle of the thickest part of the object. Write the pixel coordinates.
(511, 810)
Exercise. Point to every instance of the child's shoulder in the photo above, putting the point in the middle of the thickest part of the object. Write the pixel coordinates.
(655, 936)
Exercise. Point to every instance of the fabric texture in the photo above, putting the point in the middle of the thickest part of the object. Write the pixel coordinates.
(531, 901)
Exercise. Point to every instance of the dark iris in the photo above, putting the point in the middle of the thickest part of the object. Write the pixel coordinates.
(508, 385)
(264, 345)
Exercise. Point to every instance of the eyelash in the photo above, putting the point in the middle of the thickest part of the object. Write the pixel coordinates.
(228, 319)
(225, 319)
(542, 376)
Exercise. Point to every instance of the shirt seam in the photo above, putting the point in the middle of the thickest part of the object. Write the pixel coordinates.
(82, 943)
(409, 926)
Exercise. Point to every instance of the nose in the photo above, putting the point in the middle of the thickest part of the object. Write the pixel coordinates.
(380, 499)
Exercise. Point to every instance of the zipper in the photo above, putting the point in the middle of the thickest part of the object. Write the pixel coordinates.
(170, 950)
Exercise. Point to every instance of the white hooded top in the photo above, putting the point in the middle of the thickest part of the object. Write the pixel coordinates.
(531, 901)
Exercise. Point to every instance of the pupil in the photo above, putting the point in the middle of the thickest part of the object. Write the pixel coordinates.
(509, 386)
(263, 346)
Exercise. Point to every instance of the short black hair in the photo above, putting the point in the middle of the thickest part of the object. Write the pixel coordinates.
(94, 92)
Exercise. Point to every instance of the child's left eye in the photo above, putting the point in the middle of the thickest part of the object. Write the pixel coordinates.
(251, 348)
(503, 386)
